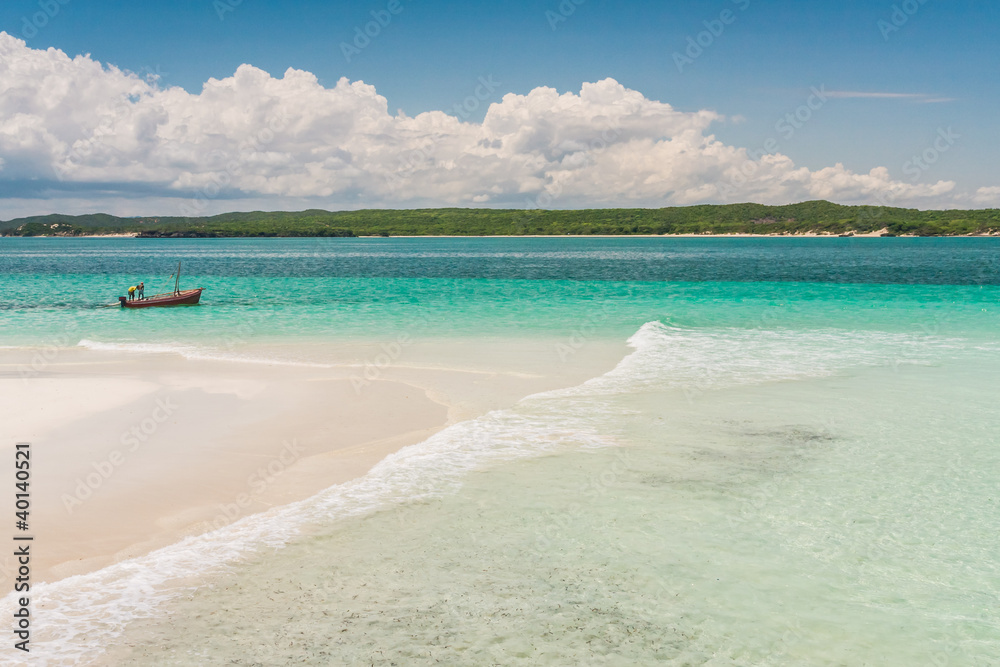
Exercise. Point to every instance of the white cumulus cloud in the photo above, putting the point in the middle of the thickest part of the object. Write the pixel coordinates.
(988, 197)
(76, 129)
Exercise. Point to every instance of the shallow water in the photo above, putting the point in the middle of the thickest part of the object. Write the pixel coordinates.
(842, 520)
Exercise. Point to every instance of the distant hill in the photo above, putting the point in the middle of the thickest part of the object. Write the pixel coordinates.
(814, 216)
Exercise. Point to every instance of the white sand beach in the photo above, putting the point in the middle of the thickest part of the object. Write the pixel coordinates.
(135, 450)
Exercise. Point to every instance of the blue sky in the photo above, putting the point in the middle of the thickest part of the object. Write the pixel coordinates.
(936, 69)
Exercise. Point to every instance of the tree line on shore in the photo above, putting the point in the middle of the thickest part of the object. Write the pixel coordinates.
(820, 217)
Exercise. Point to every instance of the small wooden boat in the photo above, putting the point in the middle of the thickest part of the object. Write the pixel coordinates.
(188, 297)
(179, 297)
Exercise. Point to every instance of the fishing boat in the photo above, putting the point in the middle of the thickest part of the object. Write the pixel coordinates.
(179, 297)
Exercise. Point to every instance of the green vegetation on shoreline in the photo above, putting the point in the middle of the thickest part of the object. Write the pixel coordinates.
(818, 217)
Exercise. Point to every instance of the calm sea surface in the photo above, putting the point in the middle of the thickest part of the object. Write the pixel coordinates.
(54, 289)
(796, 464)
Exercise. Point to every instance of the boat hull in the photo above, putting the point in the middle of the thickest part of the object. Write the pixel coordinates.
(189, 297)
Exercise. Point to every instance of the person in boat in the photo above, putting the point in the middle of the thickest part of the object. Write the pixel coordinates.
(131, 293)
(142, 288)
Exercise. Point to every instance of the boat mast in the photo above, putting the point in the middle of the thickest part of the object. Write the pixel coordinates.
(177, 281)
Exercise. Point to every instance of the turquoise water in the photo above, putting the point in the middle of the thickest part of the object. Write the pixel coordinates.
(321, 289)
(796, 464)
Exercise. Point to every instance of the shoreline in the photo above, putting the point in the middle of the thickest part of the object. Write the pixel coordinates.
(803, 235)
(801, 219)
(151, 448)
